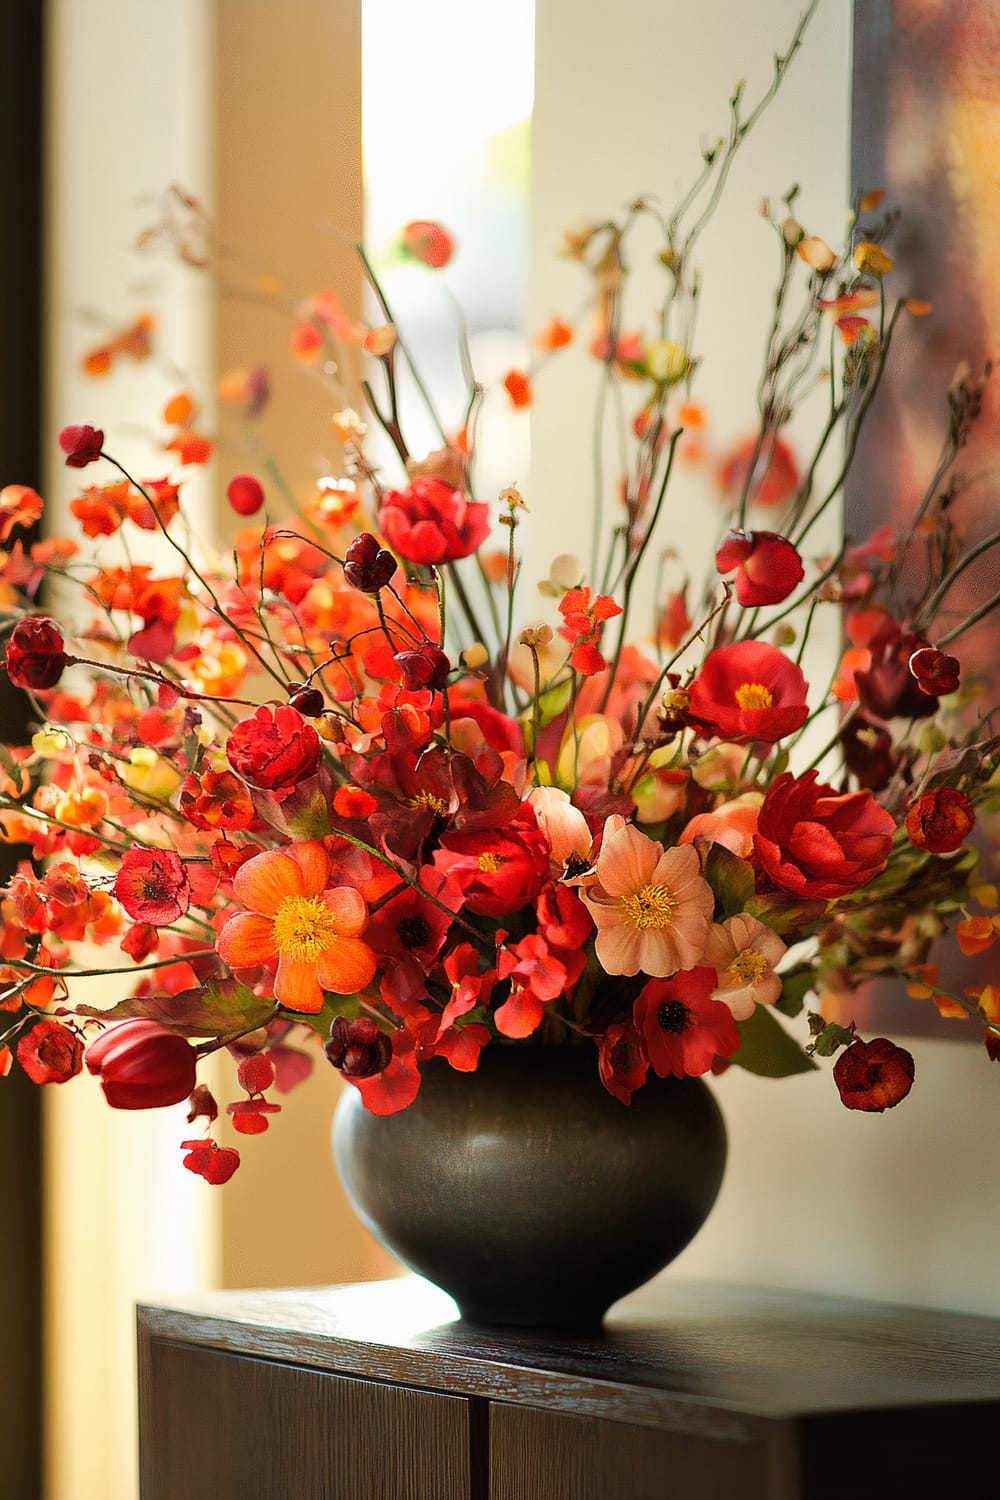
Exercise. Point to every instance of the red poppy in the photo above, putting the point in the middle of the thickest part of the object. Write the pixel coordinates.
(814, 842)
(936, 672)
(275, 749)
(35, 657)
(874, 1075)
(775, 474)
(749, 691)
(683, 1029)
(767, 566)
(430, 522)
(215, 799)
(152, 886)
(142, 1065)
(940, 820)
(50, 1052)
(499, 870)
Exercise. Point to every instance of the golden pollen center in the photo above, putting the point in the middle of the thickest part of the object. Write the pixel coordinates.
(437, 805)
(653, 906)
(749, 967)
(304, 927)
(490, 863)
(753, 695)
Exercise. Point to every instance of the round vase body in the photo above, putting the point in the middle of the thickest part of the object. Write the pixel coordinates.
(525, 1190)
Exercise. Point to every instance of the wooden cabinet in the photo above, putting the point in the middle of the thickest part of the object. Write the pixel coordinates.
(693, 1391)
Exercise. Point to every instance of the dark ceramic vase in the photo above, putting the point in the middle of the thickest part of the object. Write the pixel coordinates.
(525, 1190)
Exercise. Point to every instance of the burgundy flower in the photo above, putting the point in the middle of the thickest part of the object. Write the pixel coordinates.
(357, 1048)
(620, 1061)
(767, 566)
(36, 657)
(886, 687)
(814, 842)
(874, 1075)
(368, 566)
(50, 1052)
(81, 444)
(749, 691)
(683, 1029)
(936, 672)
(940, 820)
(142, 1065)
(869, 752)
(152, 886)
(426, 666)
(430, 522)
(275, 749)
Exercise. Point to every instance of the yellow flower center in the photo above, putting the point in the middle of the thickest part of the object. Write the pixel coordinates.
(304, 927)
(748, 967)
(437, 805)
(653, 906)
(753, 695)
(490, 863)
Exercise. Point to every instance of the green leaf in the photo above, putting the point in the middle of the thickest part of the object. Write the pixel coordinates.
(795, 986)
(553, 701)
(348, 1006)
(767, 1049)
(731, 879)
(785, 914)
(219, 1008)
(830, 1036)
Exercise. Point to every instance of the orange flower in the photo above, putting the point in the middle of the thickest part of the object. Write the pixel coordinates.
(518, 387)
(650, 905)
(555, 335)
(294, 917)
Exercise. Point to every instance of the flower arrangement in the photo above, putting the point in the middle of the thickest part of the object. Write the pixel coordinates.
(341, 797)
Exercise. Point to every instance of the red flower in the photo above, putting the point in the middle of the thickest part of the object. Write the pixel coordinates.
(815, 843)
(19, 506)
(274, 750)
(535, 976)
(940, 820)
(767, 566)
(152, 886)
(367, 565)
(427, 241)
(874, 1075)
(81, 444)
(215, 799)
(499, 870)
(936, 672)
(683, 1029)
(775, 474)
(518, 387)
(749, 691)
(620, 1060)
(35, 655)
(582, 621)
(426, 666)
(245, 494)
(142, 1065)
(50, 1053)
(430, 522)
(357, 1048)
(215, 1163)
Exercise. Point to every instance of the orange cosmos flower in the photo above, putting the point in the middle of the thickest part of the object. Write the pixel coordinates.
(650, 905)
(294, 917)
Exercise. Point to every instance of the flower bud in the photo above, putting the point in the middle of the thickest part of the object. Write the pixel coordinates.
(425, 667)
(50, 1052)
(35, 654)
(81, 444)
(936, 672)
(245, 494)
(368, 566)
(142, 1065)
(357, 1048)
(308, 701)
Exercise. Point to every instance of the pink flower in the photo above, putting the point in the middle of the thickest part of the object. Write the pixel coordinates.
(744, 952)
(650, 905)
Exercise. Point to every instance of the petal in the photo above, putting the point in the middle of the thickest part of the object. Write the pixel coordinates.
(264, 881)
(347, 967)
(296, 986)
(627, 861)
(618, 949)
(349, 908)
(246, 940)
(314, 863)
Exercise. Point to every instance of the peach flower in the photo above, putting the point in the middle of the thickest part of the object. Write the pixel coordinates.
(732, 823)
(650, 905)
(744, 953)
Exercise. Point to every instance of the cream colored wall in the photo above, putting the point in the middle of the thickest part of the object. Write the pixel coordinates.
(903, 1206)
